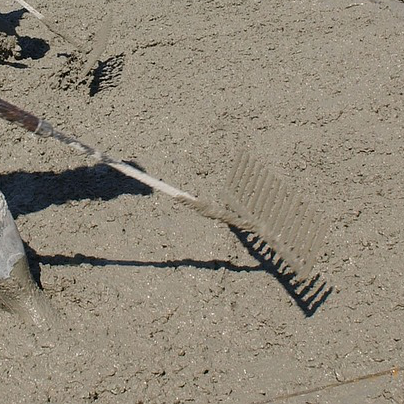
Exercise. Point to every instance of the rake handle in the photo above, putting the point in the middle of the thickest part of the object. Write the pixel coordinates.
(49, 24)
(43, 128)
(16, 115)
(40, 127)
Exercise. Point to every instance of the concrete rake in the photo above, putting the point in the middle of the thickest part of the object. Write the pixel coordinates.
(100, 43)
(256, 200)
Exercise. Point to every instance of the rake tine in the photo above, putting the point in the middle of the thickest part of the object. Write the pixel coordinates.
(259, 190)
(279, 225)
(236, 168)
(260, 245)
(315, 247)
(269, 203)
(296, 226)
(272, 218)
(265, 248)
(265, 193)
(291, 219)
(251, 190)
(276, 258)
(283, 266)
(303, 233)
(238, 174)
(311, 236)
(244, 181)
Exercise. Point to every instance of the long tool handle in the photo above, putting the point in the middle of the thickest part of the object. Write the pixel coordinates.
(42, 128)
(31, 9)
(50, 25)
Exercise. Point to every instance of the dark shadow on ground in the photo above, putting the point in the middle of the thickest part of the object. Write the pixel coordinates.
(31, 48)
(107, 75)
(13, 18)
(16, 65)
(308, 295)
(31, 192)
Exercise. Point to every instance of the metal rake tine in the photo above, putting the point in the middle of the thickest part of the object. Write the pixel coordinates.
(271, 219)
(259, 190)
(303, 233)
(238, 173)
(246, 176)
(314, 248)
(265, 248)
(234, 170)
(283, 266)
(269, 203)
(291, 219)
(276, 258)
(279, 225)
(264, 194)
(251, 189)
(309, 233)
(296, 225)
(260, 245)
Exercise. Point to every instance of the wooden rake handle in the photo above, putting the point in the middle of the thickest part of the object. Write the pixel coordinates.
(43, 128)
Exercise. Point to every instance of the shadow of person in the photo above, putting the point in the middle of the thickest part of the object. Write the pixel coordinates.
(13, 18)
(29, 48)
(32, 48)
(31, 192)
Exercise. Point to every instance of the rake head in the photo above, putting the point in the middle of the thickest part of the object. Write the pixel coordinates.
(290, 225)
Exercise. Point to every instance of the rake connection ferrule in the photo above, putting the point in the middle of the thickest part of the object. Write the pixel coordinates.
(44, 129)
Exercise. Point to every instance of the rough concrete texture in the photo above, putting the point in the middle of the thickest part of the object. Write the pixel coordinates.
(159, 305)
